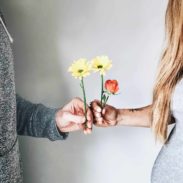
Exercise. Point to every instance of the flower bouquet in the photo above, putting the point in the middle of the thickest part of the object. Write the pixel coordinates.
(81, 68)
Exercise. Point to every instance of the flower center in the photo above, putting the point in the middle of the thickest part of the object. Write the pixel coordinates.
(80, 71)
(100, 66)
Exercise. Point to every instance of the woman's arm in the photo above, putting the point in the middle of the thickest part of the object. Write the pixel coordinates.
(140, 117)
(110, 116)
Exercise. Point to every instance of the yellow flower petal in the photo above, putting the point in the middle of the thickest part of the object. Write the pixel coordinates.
(101, 64)
(80, 68)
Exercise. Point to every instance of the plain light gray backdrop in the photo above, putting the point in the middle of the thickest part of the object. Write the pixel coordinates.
(48, 35)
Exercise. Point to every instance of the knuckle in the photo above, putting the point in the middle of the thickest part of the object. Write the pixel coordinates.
(63, 115)
(92, 104)
(76, 99)
(112, 123)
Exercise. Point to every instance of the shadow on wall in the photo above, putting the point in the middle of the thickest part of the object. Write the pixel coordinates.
(37, 59)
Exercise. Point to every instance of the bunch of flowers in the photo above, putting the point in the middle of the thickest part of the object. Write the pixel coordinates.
(82, 68)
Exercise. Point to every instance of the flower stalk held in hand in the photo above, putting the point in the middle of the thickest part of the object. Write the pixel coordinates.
(102, 64)
(81, 69)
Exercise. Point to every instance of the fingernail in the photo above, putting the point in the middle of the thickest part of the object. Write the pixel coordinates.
(89, 132)
(103, 111)
(89, 125)
(84, 119)
(100, 122)
(98, 109)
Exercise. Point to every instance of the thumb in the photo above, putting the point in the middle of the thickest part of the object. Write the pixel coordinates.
(75, 118)
(104, 111)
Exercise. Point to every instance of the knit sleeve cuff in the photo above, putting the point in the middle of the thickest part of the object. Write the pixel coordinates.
(54, 132)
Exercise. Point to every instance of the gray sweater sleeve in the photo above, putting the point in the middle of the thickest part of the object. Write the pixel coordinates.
(36, 120)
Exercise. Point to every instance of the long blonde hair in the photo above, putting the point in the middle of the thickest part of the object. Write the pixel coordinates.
(170, 69)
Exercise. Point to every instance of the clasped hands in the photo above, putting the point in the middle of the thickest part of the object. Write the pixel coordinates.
(72, 118)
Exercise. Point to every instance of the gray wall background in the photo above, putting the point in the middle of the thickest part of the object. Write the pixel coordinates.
(48, 35)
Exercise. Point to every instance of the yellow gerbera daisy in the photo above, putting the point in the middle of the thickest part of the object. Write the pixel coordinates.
(101, 64)
(80, 68)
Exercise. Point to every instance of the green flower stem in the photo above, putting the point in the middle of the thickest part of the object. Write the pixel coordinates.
(102, 89)
(84, 98)
(105, 102)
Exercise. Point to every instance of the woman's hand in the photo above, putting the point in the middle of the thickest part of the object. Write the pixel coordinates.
(72, 118)
(108, 116)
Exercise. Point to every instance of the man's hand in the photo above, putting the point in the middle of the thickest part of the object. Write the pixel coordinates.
(105, 117)
(72, 118)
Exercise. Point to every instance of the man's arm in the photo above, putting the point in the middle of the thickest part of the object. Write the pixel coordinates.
(36, 120)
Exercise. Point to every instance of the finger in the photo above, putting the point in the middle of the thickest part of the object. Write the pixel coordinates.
(74, 118)
(101, 125)
(89, 118)
(112, 123)
(104, 111)
(84, 127)
(85, 131)
(96, 106)
(70, 128)
(89, 115)
(89, 130)
(98, 121)
(89, 124)
(97, 114)
(80, 104)
(81, 126)
(74, 103)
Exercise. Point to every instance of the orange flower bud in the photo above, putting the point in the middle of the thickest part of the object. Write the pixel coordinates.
(112, 86)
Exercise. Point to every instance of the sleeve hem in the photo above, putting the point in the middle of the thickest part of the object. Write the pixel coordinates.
(56, 133)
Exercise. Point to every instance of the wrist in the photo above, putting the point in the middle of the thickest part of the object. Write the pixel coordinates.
(119, 116)
(58, 119)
